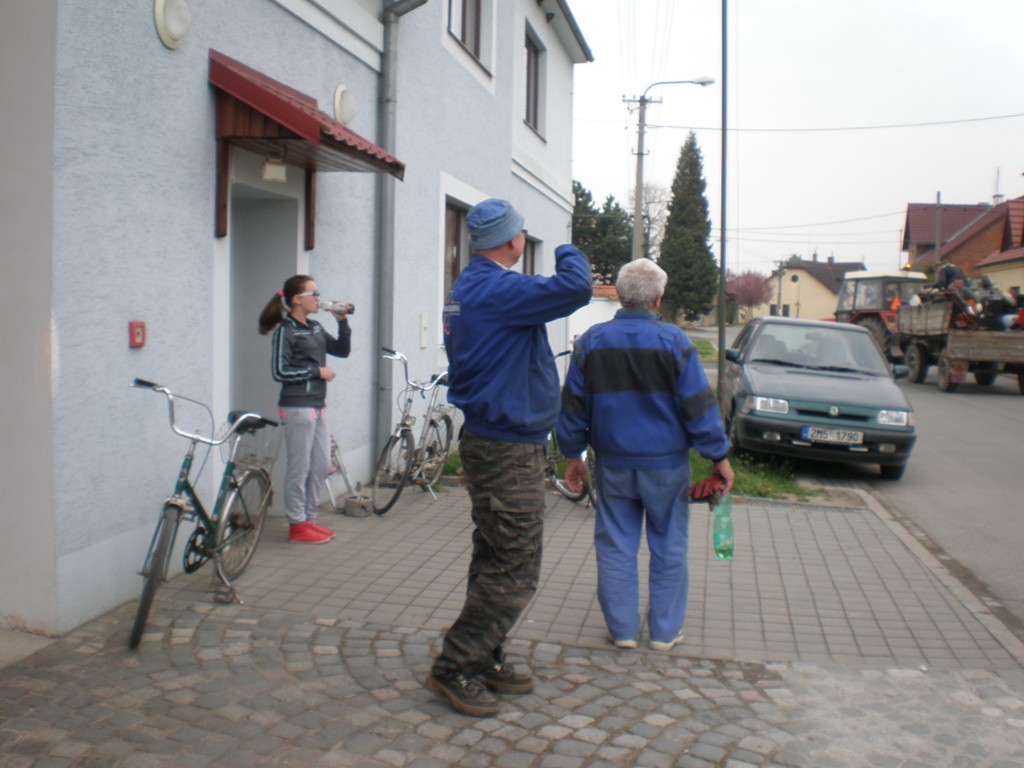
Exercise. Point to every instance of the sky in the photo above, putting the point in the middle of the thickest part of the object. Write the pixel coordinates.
(839, 114)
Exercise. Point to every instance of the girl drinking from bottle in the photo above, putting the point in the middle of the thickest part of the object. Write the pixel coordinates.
(299, 363)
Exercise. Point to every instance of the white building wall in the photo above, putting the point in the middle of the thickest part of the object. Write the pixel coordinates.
(108, 216)
(463, 136)
(597, 311)
(27, 549)
(132, 220)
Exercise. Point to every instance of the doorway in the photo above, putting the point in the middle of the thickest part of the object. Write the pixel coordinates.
(264, 245)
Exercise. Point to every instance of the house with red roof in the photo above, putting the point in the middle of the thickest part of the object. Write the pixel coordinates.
(922, 222)
(990, 244)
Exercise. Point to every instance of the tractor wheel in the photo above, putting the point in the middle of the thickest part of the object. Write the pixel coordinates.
(946, 383)
(916, 358)
(985, 376)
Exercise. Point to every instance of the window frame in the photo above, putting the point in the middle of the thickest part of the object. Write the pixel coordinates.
(534, 73)
(465, 23)
(456, 243)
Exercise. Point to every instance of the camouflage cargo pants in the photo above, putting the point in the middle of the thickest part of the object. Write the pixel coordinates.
(506, 487)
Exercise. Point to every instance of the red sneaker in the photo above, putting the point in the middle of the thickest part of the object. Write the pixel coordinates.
(320, 529)
(304, 533)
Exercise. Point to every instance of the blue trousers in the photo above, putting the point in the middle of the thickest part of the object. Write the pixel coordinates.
(626, 499)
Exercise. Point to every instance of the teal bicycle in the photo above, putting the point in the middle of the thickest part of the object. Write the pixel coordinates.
(230, 532)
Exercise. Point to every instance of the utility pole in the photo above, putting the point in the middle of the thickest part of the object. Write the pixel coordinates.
(638, 192)
(778, 304)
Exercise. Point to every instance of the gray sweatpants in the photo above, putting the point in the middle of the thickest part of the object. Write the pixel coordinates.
(307, 442)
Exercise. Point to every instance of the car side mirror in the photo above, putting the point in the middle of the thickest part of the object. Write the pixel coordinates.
(900, 371)
(733, 355)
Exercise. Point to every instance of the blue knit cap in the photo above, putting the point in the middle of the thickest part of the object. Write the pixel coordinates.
(492, 223)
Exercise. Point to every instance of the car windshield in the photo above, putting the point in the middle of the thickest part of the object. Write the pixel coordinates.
(818, 347)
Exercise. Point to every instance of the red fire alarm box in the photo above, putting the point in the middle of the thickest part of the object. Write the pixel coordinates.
(136, 333)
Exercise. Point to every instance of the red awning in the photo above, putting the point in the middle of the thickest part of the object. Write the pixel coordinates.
(264, 116)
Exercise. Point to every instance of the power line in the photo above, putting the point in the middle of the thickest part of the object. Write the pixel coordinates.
(824, 223)
(842, 128)
(807, 240)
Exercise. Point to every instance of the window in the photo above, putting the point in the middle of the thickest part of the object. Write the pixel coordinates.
(456, 245)
(533, 61)
(869, 294)
(529, 260)
(464, 22)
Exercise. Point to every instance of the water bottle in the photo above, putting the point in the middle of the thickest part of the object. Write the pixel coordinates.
(723, 528)
(338, 306)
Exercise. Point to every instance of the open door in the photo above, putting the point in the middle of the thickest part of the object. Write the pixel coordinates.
(263, 255)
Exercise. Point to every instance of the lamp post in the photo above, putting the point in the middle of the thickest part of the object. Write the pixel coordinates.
(638, 196)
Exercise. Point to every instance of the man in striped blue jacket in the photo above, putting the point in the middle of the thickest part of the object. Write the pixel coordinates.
(637, 393)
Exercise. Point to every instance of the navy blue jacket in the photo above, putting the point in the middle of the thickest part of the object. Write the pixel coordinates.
(636, 392)
(501, 372)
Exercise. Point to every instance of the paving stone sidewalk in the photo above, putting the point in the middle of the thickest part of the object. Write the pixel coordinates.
(843, 646)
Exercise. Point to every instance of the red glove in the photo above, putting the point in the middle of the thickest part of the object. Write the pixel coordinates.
(707, 489)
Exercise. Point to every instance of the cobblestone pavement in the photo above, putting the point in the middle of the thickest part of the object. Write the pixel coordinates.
(316, 669)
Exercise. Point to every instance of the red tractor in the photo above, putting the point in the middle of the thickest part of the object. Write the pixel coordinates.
(872, 299)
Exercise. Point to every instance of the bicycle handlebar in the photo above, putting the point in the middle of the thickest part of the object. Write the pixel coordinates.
(171, 397)
(423, 386)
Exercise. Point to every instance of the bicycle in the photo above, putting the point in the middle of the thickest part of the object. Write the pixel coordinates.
(554, 470)
(230, 532)
(554, 466)
(337, 467)
(403, 460)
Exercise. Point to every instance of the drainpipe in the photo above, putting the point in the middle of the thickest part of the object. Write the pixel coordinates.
(386, 223)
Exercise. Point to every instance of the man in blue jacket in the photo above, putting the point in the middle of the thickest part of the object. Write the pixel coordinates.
(502, 376)
(637, 393)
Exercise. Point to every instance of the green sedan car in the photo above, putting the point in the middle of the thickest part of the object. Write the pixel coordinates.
(817, 390)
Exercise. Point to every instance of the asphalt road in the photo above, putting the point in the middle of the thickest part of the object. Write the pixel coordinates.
(963, 485)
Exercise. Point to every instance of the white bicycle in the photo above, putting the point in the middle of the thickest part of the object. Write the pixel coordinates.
(403, 460)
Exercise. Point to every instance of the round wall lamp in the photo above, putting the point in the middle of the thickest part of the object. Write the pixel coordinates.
(173, 18)
(344, 105)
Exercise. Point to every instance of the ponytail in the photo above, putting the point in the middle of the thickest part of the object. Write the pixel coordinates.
(273, 313)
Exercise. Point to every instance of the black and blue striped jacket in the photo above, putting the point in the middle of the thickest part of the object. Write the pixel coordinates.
(637, 393)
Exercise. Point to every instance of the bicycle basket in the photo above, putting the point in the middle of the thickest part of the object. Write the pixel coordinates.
(257, 449)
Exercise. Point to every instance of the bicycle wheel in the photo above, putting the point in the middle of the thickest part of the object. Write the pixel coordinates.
(153, 571)
(566, 491)
(392, 471)
(240, 526)
(435, 450)
(590, 487)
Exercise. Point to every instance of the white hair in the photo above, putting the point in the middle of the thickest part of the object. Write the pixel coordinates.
(640, 283)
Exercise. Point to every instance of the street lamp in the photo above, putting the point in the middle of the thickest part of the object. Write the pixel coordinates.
(638, 197)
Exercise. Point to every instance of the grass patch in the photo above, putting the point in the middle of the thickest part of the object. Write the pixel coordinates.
(764, 479)
(453, 463)
(707, 351)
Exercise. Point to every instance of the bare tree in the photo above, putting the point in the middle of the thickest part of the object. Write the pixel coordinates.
(654, 209)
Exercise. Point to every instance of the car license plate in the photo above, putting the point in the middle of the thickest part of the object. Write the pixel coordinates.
(825, 435)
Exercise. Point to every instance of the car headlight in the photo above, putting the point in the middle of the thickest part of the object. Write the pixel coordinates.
(766, 405)
(896, 418)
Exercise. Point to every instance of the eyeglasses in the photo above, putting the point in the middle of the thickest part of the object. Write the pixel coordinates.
(314, 294)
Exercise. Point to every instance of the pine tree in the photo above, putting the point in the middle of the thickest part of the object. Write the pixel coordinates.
(685, 251)
(604, 235)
